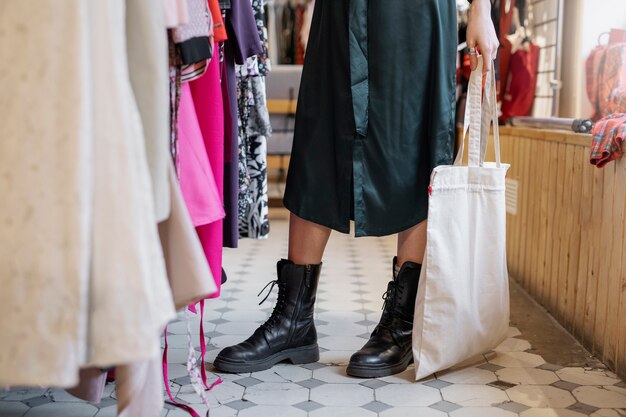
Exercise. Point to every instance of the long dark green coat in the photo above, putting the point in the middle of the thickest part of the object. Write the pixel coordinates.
(375, 113)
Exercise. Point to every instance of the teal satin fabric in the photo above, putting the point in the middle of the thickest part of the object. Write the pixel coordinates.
(375, 113)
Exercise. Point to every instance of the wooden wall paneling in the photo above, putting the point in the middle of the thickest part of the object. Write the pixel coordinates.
(529, 178)
(540, 227)
(513, 220)
(551, 213)
(528, 227)
(584, 255)
(535, 220)
(595, 259)
(575, 234)
(525, 218)
(518, 219)
(604, 246)
(567, 244)
(541, 201)
(551, 181)
(553, 227)
(620, 365)
(564, 232)
(513, 243)
(615, 261)
(558, 232)
(506, 146)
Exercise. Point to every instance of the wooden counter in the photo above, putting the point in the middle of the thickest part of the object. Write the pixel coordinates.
(566, 241)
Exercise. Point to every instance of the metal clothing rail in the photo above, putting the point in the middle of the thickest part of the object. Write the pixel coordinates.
(559, 123)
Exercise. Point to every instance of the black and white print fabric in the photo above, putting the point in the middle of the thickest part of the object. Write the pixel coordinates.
(254, 130)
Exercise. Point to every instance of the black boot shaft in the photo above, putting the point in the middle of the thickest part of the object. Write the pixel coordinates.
(401, 292)
(297, 288)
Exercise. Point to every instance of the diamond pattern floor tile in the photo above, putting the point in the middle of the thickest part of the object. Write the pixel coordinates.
(374, 383)
(248, 382)
(508, 382)
(37, 401)
(376, 406)
(13, 408)
(308, 406)
(513, 407)
(445, 406)
(311, 383)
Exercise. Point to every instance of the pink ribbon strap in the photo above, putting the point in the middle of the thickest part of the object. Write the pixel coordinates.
(191, 366)
(166, 380)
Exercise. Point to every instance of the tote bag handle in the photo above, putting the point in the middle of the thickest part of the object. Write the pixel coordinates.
(479, 115)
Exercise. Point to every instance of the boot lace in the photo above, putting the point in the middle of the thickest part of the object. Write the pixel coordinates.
(280, 303)
(390, 298)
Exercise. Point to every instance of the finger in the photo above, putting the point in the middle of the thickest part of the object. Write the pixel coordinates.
(473, 57)
(487, 61)
(473, 61)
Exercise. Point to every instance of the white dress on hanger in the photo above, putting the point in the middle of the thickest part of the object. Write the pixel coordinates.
(82, 276)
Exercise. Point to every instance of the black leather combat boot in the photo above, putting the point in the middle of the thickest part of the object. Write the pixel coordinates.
(389, 349)
(289, 333)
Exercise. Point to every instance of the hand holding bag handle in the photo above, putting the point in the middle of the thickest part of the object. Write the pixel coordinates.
(479, 115)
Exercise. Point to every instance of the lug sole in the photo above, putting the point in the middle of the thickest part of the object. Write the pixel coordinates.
(365, 371)
(299, 355)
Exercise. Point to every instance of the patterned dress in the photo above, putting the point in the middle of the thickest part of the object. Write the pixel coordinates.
(254, 129)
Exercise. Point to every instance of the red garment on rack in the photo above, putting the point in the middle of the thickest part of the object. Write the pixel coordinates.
(521, 83)
(504, 53)
(506, 18)
(219, 29)
(298, 35)
(504, 58)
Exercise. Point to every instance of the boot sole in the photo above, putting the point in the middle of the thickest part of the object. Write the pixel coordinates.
(364, 371)
(299, 355)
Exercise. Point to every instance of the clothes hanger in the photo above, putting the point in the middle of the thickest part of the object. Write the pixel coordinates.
(519, 39)
(526, 37)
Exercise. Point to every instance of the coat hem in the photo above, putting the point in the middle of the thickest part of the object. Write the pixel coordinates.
(392, 231)
(299, 212)
(360, 233)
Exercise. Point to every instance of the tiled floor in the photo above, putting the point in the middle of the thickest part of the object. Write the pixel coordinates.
(509, 382)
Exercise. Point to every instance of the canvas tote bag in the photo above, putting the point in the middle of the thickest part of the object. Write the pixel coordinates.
(462, 304)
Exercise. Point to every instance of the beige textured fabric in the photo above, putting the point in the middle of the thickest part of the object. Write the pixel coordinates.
(81, 268)
(148, 68)
(138, 388)
(187, 268)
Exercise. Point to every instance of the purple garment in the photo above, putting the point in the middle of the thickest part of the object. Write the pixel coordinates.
(243, 42)
(231, 157)
(242, 31)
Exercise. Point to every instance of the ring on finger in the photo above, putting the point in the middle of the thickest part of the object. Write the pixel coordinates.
(472, 50)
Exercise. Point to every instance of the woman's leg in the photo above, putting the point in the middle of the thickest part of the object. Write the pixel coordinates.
(307, 241)
(388, 351)
(412, 244)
